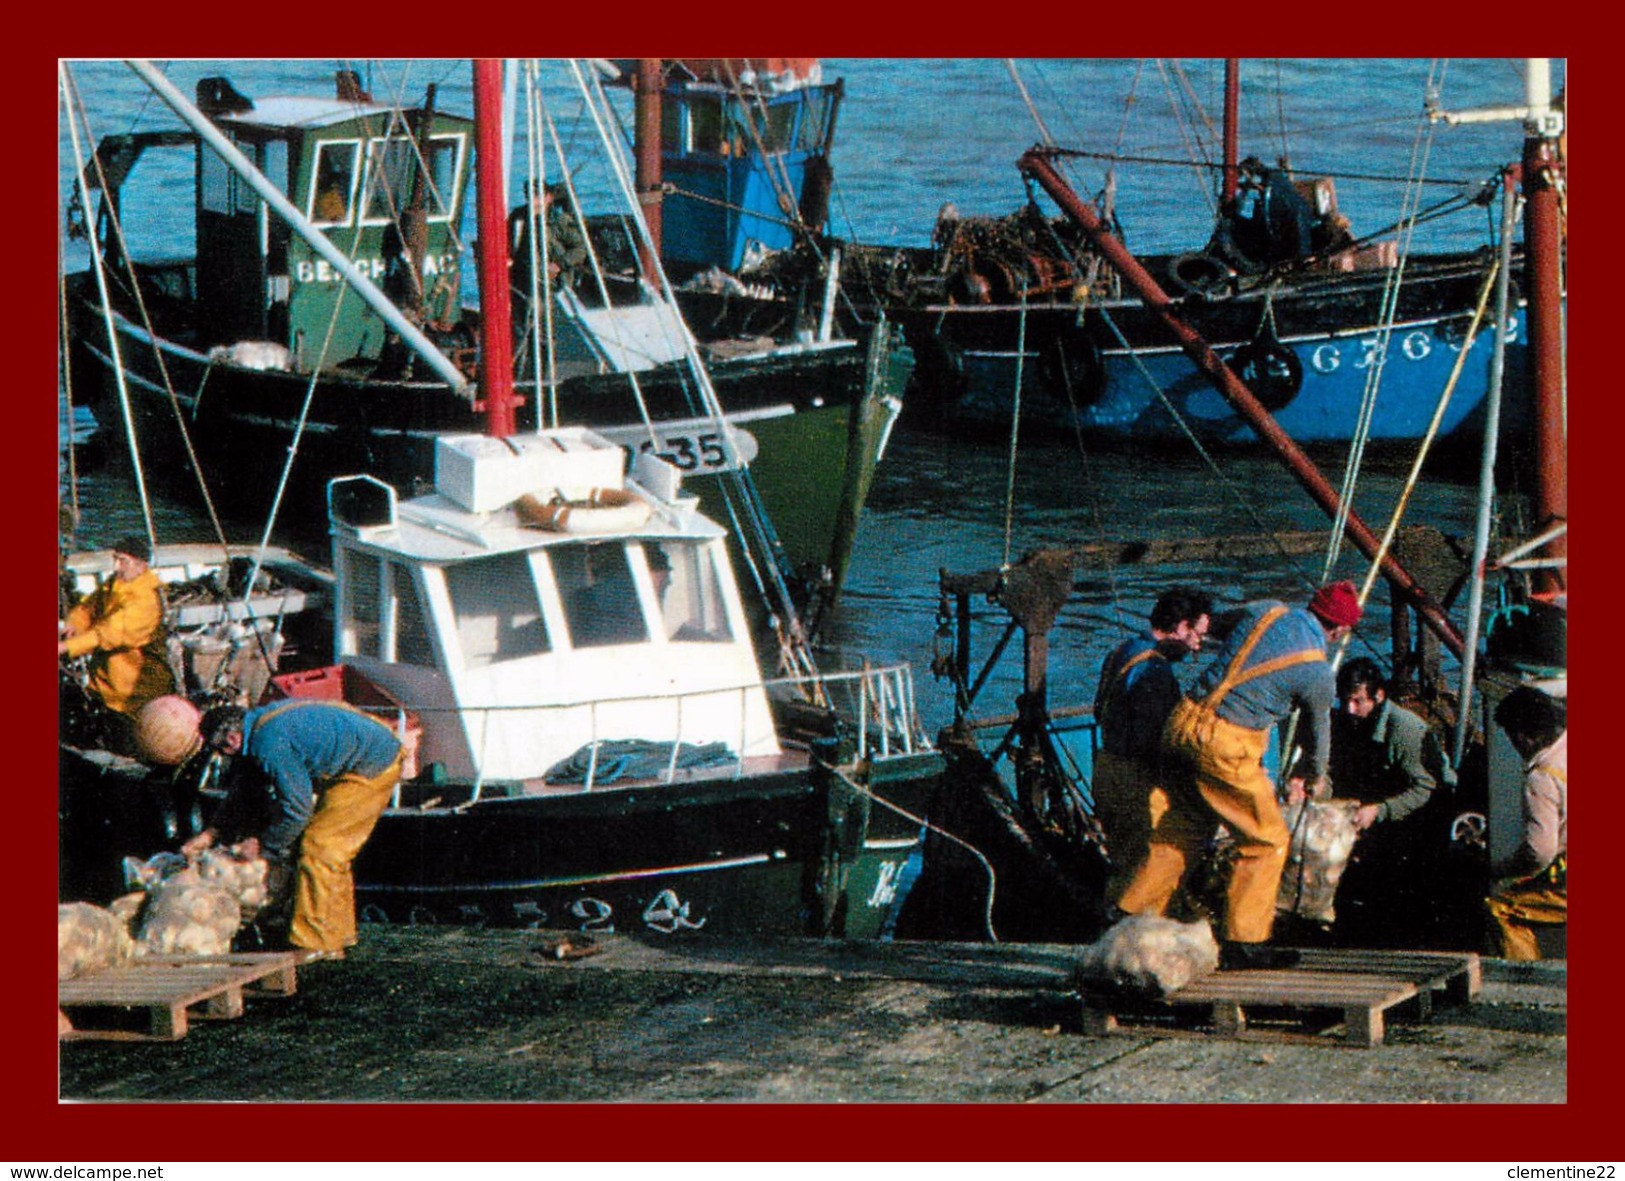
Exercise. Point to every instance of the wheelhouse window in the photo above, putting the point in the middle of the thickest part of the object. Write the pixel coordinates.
(671, 128)
(815, 114)
(274, 163)
(412, 643)
(445, 167)
(496, 609)
(332, 188)
(360, 610)
(220, 190)
(392, 166)
(688, 591)
(712, 128)
(600, 597)
(781, 124)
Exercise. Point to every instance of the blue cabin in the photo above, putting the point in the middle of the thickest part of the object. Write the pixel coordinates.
(744, 149)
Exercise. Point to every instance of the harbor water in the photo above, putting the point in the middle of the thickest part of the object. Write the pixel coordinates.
(913, 134)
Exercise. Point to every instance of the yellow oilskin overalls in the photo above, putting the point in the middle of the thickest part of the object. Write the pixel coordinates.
(1216, 769)
(1128, 800)
(347, 810)
(120, 626)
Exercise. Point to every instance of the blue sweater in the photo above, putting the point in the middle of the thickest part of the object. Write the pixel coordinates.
(1264, 701)
(304, 747)
(1131, 708)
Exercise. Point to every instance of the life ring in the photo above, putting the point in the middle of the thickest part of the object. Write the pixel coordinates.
(1270, 370)
(1199, 274)
(603, 510)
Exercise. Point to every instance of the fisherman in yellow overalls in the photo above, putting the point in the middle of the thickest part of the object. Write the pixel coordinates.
(120, 626)
(332, 770)
(1213, 761)
(1137, 692)
(1532, 887)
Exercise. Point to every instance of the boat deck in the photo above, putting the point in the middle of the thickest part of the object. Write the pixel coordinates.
(756, 765)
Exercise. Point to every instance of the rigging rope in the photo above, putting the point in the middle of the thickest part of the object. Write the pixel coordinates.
(775, 165)
(1421, 150)
(1192, 140)
(992, 878)
(365, 197)
(1015, 430)
(67, 384)
(1021, 87)
(71, 100)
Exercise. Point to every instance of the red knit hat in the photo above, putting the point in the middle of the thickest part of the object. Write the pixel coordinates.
(1337, 604)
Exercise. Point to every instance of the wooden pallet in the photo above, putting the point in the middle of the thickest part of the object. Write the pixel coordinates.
(100, 1004)
(1360, 986)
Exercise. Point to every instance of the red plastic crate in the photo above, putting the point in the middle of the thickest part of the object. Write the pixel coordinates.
(341, 682)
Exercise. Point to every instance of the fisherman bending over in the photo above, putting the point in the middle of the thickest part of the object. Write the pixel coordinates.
(1213, 761)
(331, 770)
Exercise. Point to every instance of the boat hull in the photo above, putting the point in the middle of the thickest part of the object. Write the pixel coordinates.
(1098, 369)
(809, 425)
(1095, 367)
(795, 850)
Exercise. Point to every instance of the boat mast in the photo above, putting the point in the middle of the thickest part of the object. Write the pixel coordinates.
(319, 242)
(496, 317)
(648, 179)
(1232, 134)
(1543, 251)
(1035, 163)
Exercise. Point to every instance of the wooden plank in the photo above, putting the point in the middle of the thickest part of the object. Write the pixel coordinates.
(1358, 986)
(1364, 1024)
(166, 987)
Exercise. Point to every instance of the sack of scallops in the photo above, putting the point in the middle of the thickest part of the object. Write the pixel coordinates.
(90, 938)
(1322, 838)
(196, 909)
(1144, 955)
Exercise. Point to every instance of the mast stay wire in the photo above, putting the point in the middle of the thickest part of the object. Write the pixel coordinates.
(66, 404)
(72, 101)
(1015, 430)
(539, 326)
(1421, 151)
(792, 640)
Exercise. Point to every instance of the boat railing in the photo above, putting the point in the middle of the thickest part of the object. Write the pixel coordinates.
(878, 702)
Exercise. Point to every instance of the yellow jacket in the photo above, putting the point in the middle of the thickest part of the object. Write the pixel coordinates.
(120, 625)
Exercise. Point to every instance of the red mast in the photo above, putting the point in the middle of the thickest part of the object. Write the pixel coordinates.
(1543, 167)
(1232, 133)
(646, 109)
(496, 316)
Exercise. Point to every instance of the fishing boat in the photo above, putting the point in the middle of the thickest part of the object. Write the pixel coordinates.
(319, 329)
(1022, 311)
(594, 742)
(557, 633)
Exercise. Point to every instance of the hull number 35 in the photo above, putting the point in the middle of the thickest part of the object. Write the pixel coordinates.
(694, 447)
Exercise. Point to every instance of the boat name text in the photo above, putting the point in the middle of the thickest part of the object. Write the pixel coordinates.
(1415, 345)
(319, 270)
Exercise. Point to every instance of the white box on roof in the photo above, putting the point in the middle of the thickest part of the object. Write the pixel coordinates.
(481, 474)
